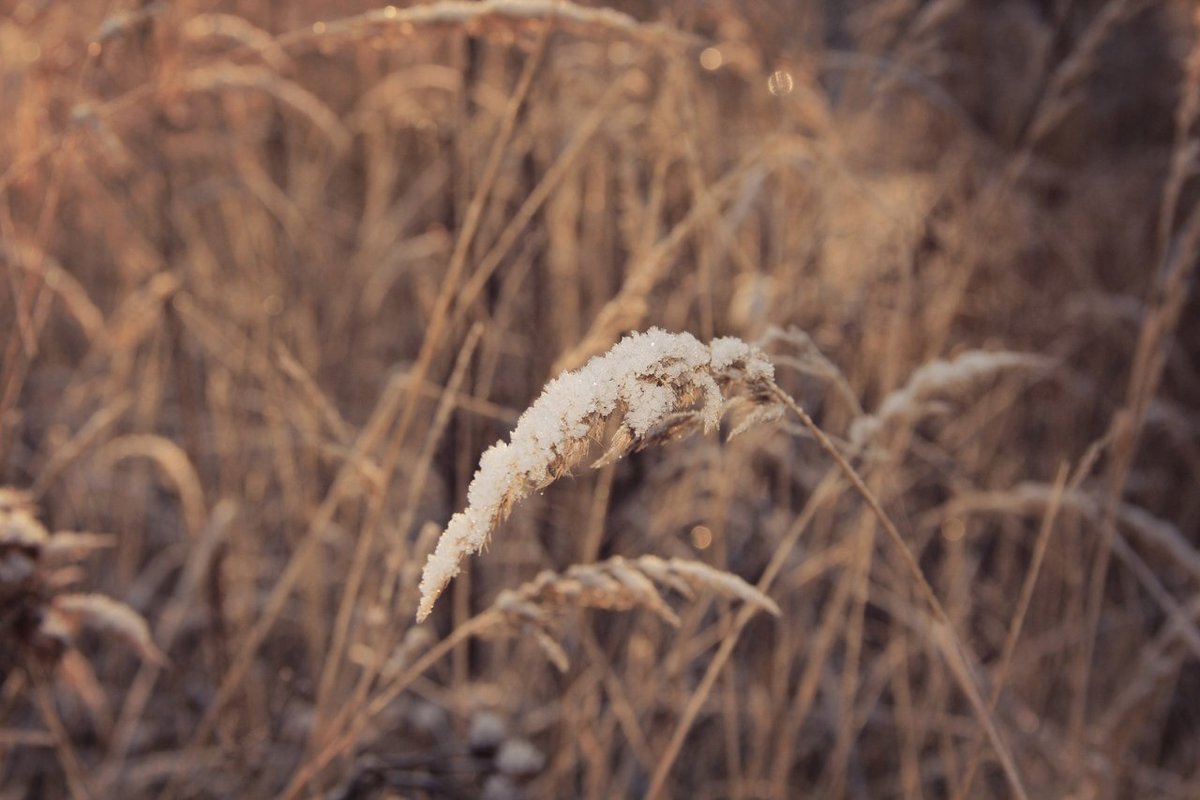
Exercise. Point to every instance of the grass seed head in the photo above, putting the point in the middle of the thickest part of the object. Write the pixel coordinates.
(656, 385)
(616, 584)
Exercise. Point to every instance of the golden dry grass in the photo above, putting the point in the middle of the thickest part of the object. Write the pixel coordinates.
(276, 274)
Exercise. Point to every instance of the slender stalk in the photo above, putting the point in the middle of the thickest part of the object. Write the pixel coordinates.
(947, 639)
(700, 694)
(77, 783)
(359, 720)
(1018, 621)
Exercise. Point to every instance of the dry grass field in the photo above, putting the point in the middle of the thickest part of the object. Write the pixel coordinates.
(276, 273)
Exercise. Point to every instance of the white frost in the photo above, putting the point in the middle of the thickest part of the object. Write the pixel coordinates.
(645, 376)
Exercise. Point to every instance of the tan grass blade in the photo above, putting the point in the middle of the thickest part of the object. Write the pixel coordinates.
(59, 280)
(225, 76)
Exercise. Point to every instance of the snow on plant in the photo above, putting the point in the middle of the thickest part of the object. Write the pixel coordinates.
(654, 385)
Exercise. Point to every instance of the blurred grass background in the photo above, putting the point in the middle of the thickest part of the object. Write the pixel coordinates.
(251, 248)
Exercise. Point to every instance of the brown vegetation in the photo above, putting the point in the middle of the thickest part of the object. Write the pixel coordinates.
(277, 274)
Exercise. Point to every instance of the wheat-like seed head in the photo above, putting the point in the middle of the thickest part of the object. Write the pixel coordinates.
(657, 385)
(616, 584)
(936, 378)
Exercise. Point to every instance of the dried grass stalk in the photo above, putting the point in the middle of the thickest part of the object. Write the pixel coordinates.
(59, 280)
(240, 31)
(74, 545)
(224, 76)
(1034, 498)
(140, 314)
(483, 16)
(939, 378)
(175, 465)
(616, 584)
(68, 613)
(655, 385)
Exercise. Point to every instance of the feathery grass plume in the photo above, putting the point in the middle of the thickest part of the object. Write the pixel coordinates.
(659, 385)
(938, 377)
(617, 584)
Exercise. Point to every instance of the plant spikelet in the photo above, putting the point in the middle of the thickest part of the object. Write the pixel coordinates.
(656, 384)
(935, 379)
(616, 584)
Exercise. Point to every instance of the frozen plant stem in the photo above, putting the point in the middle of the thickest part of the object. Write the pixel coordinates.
(944, 635)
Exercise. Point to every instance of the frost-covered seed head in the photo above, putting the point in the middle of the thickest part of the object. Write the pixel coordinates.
(646, 381)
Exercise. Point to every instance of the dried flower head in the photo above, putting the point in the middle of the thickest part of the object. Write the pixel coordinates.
(658, 385)
(616, 584)
(34, 618)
